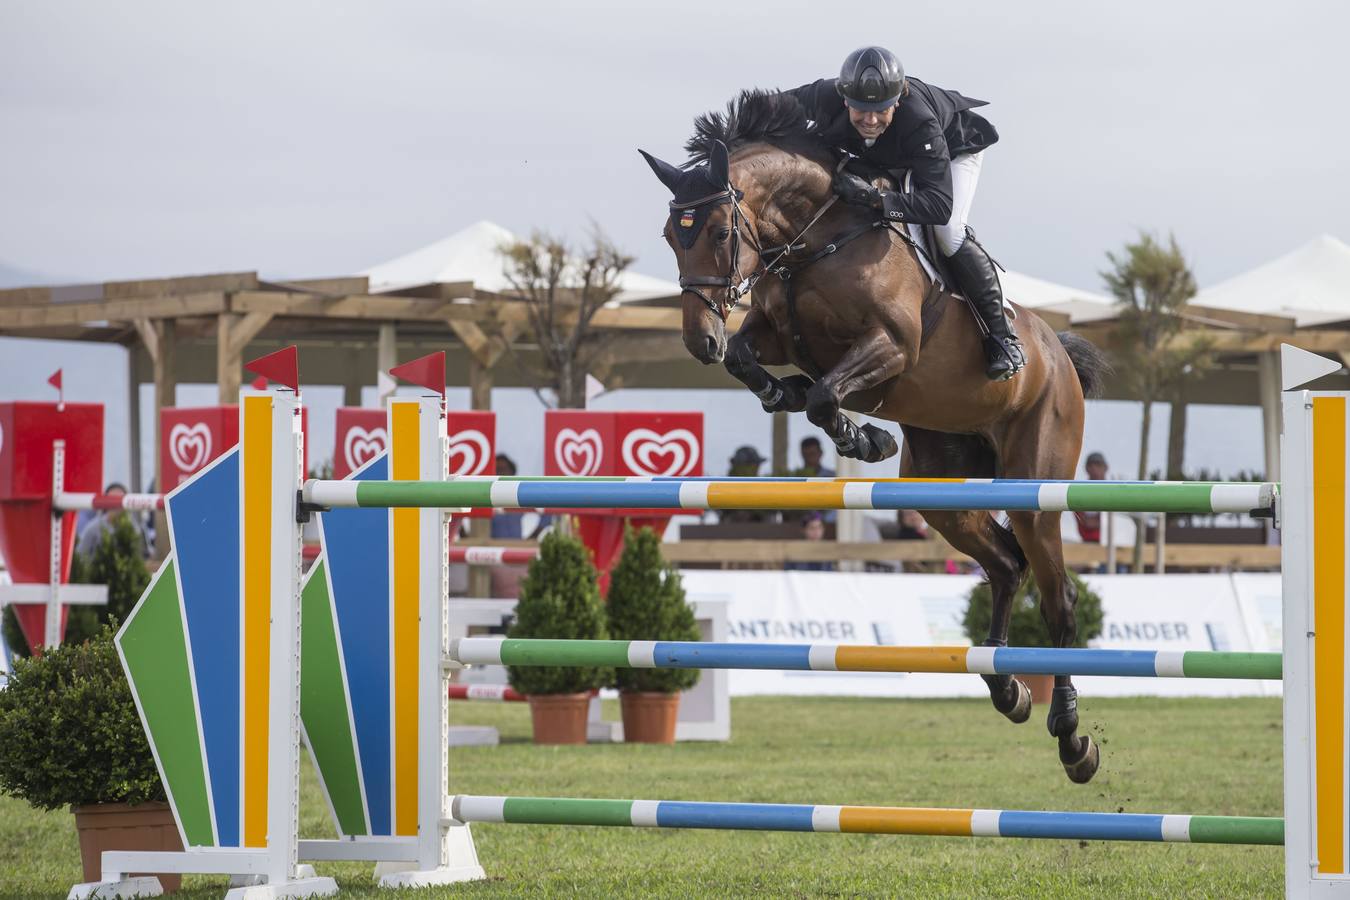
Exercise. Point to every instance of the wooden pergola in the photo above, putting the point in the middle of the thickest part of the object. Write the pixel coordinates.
(199, 329)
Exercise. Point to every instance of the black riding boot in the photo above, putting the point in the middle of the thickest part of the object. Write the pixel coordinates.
(979, 282)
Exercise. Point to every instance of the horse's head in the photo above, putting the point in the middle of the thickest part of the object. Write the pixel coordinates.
(715, 248)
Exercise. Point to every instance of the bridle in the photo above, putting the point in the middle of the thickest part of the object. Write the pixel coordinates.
(735, 284)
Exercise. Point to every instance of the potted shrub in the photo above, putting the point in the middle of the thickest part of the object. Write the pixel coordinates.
(1026, 627)
(560, 599)
(70, 736)
(646, 603)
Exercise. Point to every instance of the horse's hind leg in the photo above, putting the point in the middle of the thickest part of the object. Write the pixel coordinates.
(980, 536)
(1038, 534)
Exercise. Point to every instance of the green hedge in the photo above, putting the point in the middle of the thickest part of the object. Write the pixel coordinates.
(69, 731)
(560, 599)
(647, 603)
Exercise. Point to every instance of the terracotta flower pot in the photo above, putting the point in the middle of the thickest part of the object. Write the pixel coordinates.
(1042, 687)
(559, 718)
(117, 826)
(649, 716)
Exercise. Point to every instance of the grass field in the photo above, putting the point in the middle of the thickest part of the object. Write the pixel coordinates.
(1198, 756)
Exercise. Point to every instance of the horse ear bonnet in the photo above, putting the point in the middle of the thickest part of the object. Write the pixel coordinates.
(689, 186)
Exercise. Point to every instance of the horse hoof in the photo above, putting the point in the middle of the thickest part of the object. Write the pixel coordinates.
(1081, 769)
(883, 444)
(794, 393)
(1021, 708)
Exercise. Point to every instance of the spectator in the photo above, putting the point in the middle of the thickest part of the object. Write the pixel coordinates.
(1090, 523)
(506, 524)
(510, 525)
(811, 460)
(92, 533)
(745, 463)
(912, 526)
(813, 529)
(812, 468)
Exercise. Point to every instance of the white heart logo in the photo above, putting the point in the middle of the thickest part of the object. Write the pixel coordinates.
(648, 453)
(361, 446)
(474, 449)
(189, 446)
(578, 454)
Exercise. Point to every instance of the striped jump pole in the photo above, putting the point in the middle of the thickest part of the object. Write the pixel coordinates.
(698, 494)
(862, 658)
(1091, 826)
(499, 693)
(493, 556)
(108, 501)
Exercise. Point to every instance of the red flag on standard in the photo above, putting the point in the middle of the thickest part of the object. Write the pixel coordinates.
(55, 380)
(427, 372)
(281, 367)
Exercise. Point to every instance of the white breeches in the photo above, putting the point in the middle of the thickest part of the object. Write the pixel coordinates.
(965, 176)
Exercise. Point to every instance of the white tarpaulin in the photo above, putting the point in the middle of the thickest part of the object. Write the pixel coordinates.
(1153, 612)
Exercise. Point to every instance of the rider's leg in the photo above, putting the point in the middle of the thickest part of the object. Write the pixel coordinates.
(975, 271)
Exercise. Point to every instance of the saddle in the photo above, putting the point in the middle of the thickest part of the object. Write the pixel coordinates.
(923, 238)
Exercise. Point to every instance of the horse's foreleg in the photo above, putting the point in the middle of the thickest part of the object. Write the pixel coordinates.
(756, 342)
(873, 359)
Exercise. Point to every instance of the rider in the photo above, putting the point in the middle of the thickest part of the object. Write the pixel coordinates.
(895, 123)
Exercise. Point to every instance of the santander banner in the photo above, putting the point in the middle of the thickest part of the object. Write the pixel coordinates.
(586, 442)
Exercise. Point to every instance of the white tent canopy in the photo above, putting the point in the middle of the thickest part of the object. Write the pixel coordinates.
(1036, 293)
(474, 254)
(1310, 285)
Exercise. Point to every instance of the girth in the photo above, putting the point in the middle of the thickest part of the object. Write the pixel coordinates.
(930, 312)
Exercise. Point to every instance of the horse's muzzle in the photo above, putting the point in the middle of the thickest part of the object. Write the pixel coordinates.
(707, 347)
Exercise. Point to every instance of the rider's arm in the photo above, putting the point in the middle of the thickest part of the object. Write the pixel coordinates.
(929, 201)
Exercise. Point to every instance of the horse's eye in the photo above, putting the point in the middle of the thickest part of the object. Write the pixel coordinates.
(722, 235)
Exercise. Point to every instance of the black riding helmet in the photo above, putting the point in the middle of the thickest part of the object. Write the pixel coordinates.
(871, 79)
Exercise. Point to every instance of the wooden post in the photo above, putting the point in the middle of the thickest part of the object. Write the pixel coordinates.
(134, 419)
(166, 389)
(1268, 386)
(778, 455)
(480, 384)
(229, 361)
(386, 357)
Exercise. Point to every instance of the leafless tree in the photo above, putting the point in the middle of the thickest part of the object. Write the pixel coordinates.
(563, 290)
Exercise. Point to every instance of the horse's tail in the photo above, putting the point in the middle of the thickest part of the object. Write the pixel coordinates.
(1089, 362)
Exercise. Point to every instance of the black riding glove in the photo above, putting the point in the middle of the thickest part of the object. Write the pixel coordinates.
(857, 191)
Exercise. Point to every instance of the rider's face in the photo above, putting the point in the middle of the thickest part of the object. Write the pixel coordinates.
(870, 123)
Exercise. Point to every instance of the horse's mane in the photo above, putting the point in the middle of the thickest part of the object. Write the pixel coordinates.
(753, 116)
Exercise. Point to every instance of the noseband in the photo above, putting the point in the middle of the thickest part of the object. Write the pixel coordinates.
(733, 282)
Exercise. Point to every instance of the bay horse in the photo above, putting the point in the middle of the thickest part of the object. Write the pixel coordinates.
(841, 296)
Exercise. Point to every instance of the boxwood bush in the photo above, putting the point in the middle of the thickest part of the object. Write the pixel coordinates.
(560, 599)
(69, 731)
(647, 603)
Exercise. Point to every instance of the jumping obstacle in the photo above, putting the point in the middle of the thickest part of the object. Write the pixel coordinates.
(871, 820)
(499, 693)
(704, 494)
(493, 556)
(434, 841)
(863, 658)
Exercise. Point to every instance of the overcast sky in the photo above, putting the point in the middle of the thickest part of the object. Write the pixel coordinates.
(299, 139)
(145, 139)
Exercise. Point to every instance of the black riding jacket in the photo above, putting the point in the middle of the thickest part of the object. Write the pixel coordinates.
(931, 126)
